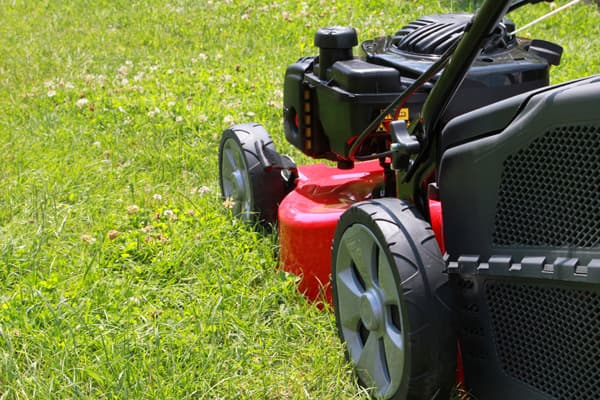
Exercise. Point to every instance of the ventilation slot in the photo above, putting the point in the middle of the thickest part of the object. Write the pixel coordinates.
(425, 36)
(548, 337)
(550, 192)
(434, 34)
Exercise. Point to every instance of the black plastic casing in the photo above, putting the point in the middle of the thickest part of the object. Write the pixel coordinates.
(519, 183)
(301, 120)
(350, 93)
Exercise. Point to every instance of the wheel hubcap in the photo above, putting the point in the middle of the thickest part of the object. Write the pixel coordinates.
(235, 179)
(369, 310)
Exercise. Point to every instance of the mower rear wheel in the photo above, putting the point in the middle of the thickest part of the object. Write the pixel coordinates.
(250, 189)
(388, 288)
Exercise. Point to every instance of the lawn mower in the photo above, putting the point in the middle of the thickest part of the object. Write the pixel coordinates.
(458, 221)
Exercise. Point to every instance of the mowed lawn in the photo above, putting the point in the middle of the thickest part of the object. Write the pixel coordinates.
(121, 273)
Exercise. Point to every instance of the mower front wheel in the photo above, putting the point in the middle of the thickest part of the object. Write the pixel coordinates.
(248, 187)
(388, 293)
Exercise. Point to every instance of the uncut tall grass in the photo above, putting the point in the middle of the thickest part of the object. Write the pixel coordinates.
(121, 273)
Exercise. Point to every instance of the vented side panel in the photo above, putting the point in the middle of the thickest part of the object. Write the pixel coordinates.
(547, 337)
(550, 191)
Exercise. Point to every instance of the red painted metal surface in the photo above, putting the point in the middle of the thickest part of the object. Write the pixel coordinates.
(437, 224)
(435, 214)
(308, 217)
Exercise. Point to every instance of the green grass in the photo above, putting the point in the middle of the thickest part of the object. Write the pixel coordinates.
(121, 274)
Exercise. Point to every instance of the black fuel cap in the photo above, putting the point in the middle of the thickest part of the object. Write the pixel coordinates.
(336, 37)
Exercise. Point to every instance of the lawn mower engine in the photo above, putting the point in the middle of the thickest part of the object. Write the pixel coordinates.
(331, 98)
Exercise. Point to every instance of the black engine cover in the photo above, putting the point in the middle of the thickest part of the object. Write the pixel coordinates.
(325, 108)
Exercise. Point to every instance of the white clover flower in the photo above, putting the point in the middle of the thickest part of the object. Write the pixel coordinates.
(228, 203)
(88, 238)
(147, 228)
(169, 214)
(82, 102)
(153, 113)
(203, 190)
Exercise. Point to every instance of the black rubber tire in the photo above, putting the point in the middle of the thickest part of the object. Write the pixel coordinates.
(266, 187)
(422, 318)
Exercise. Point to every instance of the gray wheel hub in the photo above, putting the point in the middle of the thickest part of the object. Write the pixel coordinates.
(371, 310)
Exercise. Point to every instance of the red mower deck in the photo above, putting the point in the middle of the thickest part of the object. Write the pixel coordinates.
(308, 217)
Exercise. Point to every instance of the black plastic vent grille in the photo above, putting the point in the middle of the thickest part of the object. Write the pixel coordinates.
(434, 34)
(550, 191)
(427, 36)
(548, 337)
